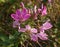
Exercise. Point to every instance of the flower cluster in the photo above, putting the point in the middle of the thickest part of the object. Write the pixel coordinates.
(24, 14)
(33, 32)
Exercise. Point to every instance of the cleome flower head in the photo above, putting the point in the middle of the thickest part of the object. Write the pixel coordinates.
(21, 15)
(31, 32)
(42, 35)
(34, 34)
(24, 14)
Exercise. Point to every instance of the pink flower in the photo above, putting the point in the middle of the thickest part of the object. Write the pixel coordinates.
(32, 32)
(34, 37)
(46, 26)
(21, 15)
(42, 36)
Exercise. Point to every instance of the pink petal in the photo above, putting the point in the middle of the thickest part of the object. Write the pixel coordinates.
(15, 24)
(27, 16)
(15, 17)
(49, 1)
(28, 27)
(41, 29)
(22, 4)
(39, 10)
(46, 25)
(44, 12)
(24, 11)
(18, 12)
(21, 29)
(33, 30)
(34, 37)
(42, 36)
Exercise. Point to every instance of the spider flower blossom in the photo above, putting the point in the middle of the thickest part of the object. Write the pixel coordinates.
(42, 35)
(21, 15)
(42, 10)
(32, 32)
